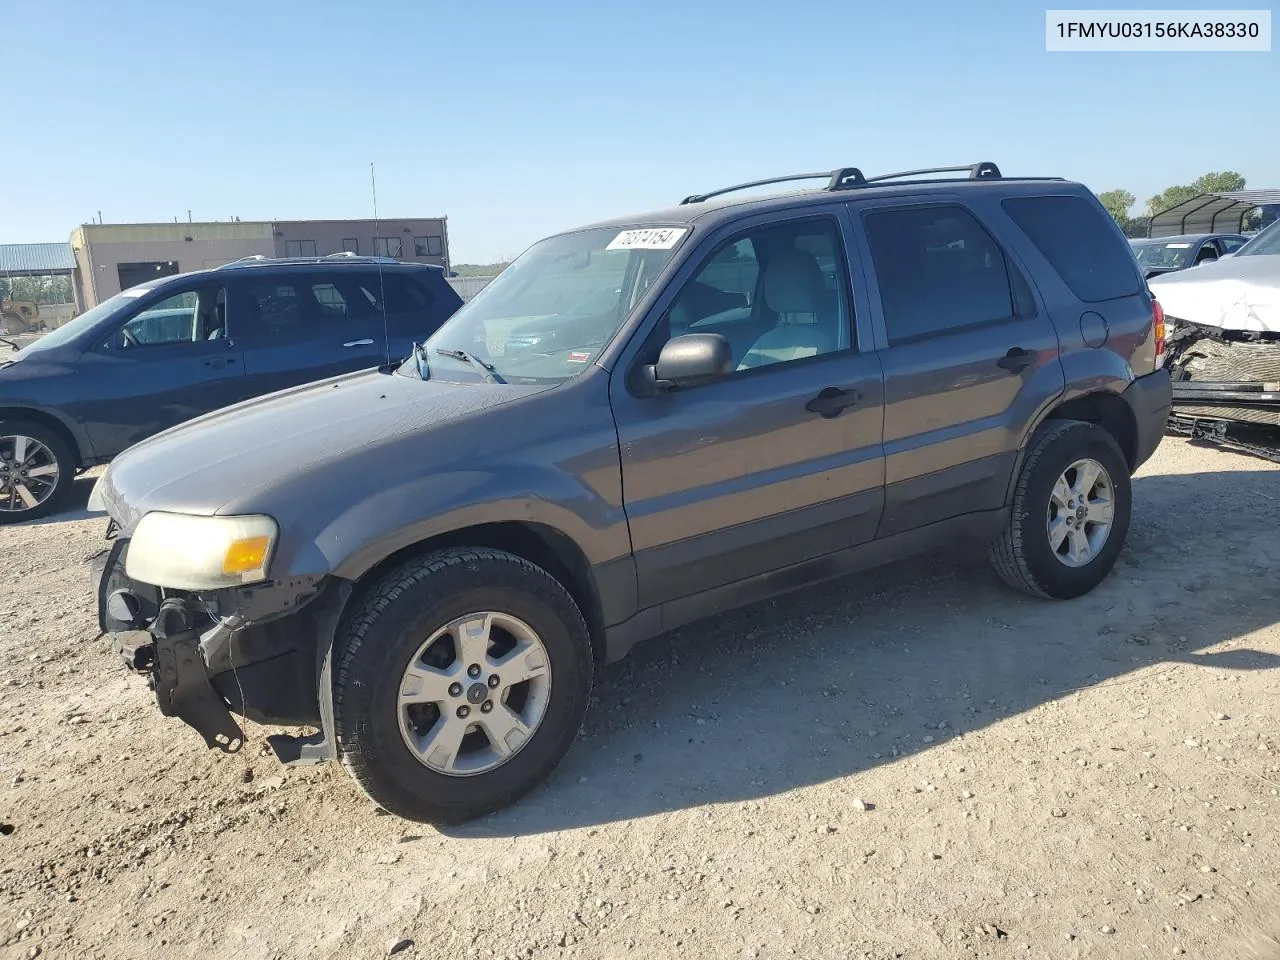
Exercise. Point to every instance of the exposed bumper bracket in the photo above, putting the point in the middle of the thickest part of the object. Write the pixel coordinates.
(183, 691)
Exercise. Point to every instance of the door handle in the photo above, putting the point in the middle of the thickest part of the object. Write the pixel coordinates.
(831, 401)
(217, 362)
(366, 342)
(1017, 359)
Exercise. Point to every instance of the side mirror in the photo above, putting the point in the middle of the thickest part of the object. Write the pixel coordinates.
(691, 359)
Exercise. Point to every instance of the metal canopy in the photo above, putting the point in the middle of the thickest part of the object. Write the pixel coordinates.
(36, 259)
(1210, 213)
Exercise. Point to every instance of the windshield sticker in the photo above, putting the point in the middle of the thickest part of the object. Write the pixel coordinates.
(660, 238)
(579, 356)
(1177, 246)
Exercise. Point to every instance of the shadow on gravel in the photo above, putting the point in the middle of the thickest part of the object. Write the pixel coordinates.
(74, 508)
(843, 677)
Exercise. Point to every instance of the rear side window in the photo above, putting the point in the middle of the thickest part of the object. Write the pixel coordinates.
(938, 270)
(1075, 237)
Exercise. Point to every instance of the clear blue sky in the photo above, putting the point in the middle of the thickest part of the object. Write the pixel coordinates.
(519, 118)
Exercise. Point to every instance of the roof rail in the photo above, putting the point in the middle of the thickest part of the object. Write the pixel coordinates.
(259, 260)
(846, 178)
(983, 170)
(836, 180)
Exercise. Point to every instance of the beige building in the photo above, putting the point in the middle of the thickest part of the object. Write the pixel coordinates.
(111, 257)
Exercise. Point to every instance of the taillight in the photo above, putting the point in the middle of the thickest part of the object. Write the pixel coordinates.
(1157, 317)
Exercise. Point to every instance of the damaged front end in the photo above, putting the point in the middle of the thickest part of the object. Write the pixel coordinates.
(1224, 374)
(261, 652)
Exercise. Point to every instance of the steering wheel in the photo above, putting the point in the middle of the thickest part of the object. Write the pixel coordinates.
(129, 339)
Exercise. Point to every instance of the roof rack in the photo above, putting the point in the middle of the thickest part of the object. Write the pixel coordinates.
(848, 178)
(983, 170)
(258, 260)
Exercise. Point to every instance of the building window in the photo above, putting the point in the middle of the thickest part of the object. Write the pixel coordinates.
(428, 246)
(350, 245)
(387, 247)
(299, 248)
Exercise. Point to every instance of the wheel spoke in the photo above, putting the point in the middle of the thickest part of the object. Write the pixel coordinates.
(473, 639)
(442, 743)
(423, 684)
(1057, 533)
(48, 470)
(1100, 511)
(1080, 551)
(19, 450)
(504, 728)
(526, 661)
(1086, 476)
(1061, 492)
(27, 496)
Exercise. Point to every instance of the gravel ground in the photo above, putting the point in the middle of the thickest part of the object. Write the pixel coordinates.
(910, 763)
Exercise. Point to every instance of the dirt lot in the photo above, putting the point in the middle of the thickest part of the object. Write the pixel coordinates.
(1097, 778)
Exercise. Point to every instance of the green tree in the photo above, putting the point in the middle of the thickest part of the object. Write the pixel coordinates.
(1223, 182)
(1117, 203)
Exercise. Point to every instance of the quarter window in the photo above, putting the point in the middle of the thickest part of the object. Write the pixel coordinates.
(1080, 242)
(1231, 244)
(387, 247)
(938, 270)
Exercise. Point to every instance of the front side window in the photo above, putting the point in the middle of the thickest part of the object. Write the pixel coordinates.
(428, 246)
(188, 317)
(777, 294)
(387, 247)
(299, 248)
(548, 315)
(938, 270)
(1231, 244)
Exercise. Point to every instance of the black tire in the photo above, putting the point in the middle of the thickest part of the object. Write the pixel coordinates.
(388, 626)
(11, 508)
(1023, 556)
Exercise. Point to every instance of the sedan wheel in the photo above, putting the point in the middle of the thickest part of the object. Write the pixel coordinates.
(36, 470)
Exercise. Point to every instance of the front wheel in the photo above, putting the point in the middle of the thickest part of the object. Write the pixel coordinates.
(462, 681)
(1071, 510)
(37, 470)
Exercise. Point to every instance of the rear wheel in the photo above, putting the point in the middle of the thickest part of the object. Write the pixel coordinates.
(37, 470)
(462, 681)
(1071, 511)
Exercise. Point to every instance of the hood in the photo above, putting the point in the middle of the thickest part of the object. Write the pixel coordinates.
(245, 457)
(1242, 293)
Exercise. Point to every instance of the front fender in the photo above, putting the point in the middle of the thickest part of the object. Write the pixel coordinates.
(386, 521)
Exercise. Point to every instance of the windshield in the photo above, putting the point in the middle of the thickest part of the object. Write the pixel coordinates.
(546, 317)
(1163, 254)
(1265, 242)
(87, 320)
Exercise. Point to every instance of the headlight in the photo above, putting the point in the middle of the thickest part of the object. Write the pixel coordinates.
(200, 553)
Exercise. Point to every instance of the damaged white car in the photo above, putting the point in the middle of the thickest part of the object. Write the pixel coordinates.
(1223, 337)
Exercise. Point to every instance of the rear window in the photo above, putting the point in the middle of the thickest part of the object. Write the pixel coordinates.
(1075, 237)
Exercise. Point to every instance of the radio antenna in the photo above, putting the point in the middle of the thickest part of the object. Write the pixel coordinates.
(382, 283)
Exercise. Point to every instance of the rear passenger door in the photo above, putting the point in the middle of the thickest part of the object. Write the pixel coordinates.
(300, 327)
(969, 360)
(414, 311)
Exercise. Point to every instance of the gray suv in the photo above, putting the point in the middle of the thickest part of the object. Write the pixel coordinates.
(638, 424)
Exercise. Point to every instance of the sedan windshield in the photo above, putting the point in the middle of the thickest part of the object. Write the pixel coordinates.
(548, 315)
(1172, 254)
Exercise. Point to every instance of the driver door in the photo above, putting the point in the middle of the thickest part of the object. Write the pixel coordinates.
(168, 362)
